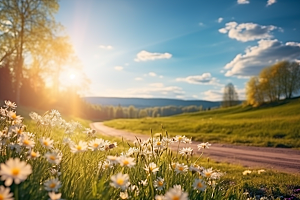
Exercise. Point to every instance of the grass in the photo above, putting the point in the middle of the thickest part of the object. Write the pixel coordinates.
(270, 125)
(82, 178)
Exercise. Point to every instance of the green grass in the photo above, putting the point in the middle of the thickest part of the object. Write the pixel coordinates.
(82, 179)
(270, 125)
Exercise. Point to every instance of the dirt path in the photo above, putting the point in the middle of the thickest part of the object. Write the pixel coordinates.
(285, 160)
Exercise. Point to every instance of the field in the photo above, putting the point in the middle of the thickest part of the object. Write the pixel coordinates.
(275, 125)
(72, 162)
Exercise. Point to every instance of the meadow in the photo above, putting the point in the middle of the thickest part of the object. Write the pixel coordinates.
(45, 156)
(271, 125)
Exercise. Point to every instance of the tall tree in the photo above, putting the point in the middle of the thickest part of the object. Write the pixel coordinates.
(25, 23)
(230, 96)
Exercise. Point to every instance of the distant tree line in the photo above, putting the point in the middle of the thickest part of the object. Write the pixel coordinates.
(279, 81)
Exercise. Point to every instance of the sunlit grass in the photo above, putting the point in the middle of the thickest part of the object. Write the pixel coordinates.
(276, 126)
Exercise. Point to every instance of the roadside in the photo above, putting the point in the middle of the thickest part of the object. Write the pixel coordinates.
(284, 160)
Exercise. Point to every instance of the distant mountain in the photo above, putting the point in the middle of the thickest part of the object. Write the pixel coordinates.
(148, 102)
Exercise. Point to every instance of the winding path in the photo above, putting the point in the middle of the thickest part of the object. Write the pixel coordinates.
(284, 160)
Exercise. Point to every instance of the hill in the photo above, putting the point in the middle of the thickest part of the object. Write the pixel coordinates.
(149, 102)
(273, 125)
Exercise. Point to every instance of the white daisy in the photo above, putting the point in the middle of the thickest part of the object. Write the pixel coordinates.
(80, 147)
(205, 145)
(176, 193)
(53, 157)
(159, 183)
(199, 184)
(120, 181)
(14, 170)
(52, 185)
(151, 168)
(181, 168)
(126, 161)
(46, 142)
(5, 193)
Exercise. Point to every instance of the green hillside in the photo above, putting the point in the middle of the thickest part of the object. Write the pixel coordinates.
(273, 125)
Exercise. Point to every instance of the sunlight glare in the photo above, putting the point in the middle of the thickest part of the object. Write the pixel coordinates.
(72, 76)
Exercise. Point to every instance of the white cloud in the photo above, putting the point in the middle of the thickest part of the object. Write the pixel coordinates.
(247, 31)
(205, 78)
(220, 20)
(138, 79)
(145, 56)
(156, 84)
(266, 53)
(119, 68)
(161, 76)
(108, 47)
(243, 1)
(217, 95)
(270, 2)
(153, 90)
(152, 74)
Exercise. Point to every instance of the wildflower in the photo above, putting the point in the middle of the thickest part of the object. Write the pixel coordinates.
(104, 165)
(55, 172)
(113, 159)
(179, 138)
(261, 171)
(195, 168)
(205, 145)
(96, 144)
(54, 196)
(132, 150)
(159, 183)
(5, 193)
(186, 151)
(199, 184)
(33, 155)
(14, 170)
(80, 147)
(10, 105)
(13, 116)
(120, 181)
(207, 173)
(26, 141)
(159, 197)
(144, 182)
(176, 193)
(173, 166)
(151, 168)
(53, 157)
(90, 132)
(124, 195)
(126, 161)
(68, 141)
(46, 142)
(52, 185)
(246, 172)
(181, 168)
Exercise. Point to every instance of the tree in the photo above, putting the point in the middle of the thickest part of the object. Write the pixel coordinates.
(230, 96)
(25, 26)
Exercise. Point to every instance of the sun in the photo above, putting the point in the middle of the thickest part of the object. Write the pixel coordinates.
(72, 76)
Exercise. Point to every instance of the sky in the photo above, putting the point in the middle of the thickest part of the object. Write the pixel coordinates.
(179, 49)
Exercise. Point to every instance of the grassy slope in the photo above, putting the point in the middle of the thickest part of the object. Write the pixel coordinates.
(271, 125)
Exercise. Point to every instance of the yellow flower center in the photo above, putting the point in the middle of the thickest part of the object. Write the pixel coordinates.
(95, 145)
(125, 162)
(150, 169)
(1, 197)
(199, 185)
(15, 171)
(19, 131)
(160, 183)
(79, 148)
(26, 142)
(52, 185)
(180, 168)
(45, 143)
(120, 181)
(52, 157)
(33, 154)
(175, 198)
(208, 174)
(14, 116)
(158, 143)
(179, 138)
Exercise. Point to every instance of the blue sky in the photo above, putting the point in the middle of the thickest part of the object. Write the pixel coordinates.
(184, 49)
